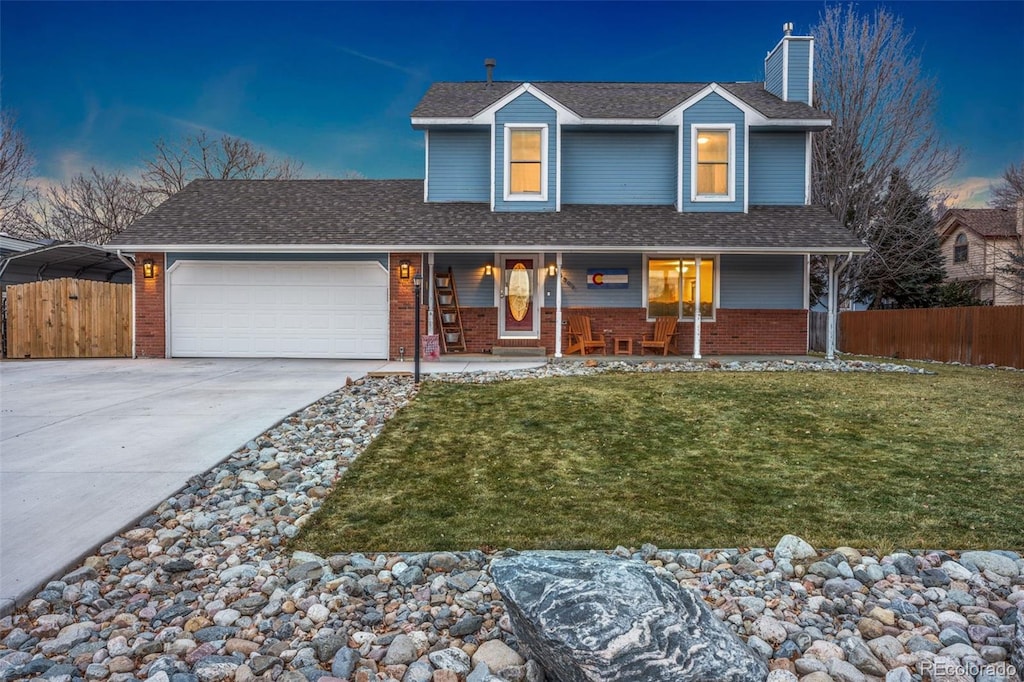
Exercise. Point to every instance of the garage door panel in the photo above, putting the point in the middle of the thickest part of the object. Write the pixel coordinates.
(255, 309)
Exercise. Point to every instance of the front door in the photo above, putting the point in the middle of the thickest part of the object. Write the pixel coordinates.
(519, 315)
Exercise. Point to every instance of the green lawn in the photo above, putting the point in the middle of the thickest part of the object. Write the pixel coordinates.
(692, 460)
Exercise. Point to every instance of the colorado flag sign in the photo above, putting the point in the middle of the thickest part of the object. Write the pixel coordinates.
(608, 278)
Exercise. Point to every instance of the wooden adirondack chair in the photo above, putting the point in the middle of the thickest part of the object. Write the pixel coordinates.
(664, 336)
(581, 338)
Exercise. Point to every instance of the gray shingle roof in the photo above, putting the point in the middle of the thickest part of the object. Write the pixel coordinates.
(390, 214)
(602, 100)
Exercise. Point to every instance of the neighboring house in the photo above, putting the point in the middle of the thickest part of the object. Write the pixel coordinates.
(621, 201)
(977, 245)
(9, 244)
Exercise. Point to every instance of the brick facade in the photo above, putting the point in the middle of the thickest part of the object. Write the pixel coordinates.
(402, 306)
(734, 332)
(150, 308)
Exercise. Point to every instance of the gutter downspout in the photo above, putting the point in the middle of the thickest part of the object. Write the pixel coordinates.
(131, 266)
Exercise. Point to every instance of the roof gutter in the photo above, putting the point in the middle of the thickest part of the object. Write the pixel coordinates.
(471, 248)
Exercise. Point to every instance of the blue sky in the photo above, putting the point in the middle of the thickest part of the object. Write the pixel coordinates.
(331, 84)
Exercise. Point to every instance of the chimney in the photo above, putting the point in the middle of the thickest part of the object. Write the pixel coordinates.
(489, 64)
(788, 68)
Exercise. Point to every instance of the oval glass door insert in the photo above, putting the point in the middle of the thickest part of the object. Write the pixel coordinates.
(519, 292)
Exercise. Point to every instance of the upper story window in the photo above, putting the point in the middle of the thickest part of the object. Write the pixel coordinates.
(713, 154)
(960, 249)
(526, 161)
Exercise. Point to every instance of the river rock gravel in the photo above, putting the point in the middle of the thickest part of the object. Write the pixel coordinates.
(201, 591)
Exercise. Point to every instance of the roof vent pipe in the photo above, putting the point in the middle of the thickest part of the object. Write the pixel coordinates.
(787, 28)
(489, 64)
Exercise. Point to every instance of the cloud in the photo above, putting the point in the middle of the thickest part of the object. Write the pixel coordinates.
(972, 192)
(382, 62)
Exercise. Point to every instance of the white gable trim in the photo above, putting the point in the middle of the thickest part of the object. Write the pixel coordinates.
(752, 116)
(486, 116)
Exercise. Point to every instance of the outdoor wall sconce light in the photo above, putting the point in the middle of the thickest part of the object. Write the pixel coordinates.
(148, 268)
(403, 269)
(488, 270)
(552, 270)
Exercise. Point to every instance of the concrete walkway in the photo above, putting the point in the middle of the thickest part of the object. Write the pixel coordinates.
(89, 446)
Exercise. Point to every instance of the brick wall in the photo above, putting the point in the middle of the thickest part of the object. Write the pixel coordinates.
(734, 332)
(402, 306)
(150, 312)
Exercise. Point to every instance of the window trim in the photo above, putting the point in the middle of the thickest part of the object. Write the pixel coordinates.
(961, 249)
(507, 193)
(715, 281)
(695, 128)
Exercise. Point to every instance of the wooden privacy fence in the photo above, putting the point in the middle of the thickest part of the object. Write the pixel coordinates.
(974, 336)
(69, 318)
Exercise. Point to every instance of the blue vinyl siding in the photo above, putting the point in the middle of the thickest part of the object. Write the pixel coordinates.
(713, 109)
(459, 166)
(773, 72)
(381, 258)
(799, 71)
(777, 168)
(524, 109)
(773, 282)
(619, 168)
(475, 289)
(575, 293)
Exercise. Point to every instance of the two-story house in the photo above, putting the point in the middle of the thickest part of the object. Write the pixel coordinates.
(621, 201)
(978, 247)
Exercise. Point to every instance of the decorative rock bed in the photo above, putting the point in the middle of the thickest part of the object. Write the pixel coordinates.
(201, 591)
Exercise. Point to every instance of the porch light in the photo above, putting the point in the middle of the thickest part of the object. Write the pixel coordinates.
(488, 270)
(552, 270)
(403, 269)
(702, 140)
(148, 268)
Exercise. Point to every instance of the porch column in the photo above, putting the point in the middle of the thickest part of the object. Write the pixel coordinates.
(830, 321)
(696, 310)
(558, 304)
(430, 293)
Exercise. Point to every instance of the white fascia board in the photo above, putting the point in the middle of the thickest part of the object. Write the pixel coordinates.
(576, 120)
(675, 115)
(469, 248)
(785, 69)
(426, 165)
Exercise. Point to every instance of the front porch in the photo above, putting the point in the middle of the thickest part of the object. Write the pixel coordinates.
(497, 304)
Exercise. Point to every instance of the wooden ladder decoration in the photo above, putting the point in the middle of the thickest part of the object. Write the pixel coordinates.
(449, 315)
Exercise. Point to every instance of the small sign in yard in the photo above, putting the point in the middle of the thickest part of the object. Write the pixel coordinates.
(431, 347)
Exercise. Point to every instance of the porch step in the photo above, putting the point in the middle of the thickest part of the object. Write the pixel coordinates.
(519, 351)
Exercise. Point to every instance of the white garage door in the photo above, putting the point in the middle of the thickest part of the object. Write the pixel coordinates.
(278, 309)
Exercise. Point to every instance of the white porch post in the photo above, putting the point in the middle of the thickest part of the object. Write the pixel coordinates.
(430, 293)
(558, 304)
(696, 310)
(830, 322)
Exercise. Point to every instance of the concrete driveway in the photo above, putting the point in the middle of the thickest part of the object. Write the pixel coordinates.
(89, 446)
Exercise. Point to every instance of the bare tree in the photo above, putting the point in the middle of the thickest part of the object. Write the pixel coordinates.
(198, 156)
(90, 207)
(16, 165)
(868, 78)
(1010, 189)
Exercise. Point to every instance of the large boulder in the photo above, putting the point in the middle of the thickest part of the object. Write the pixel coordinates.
(588, 617)
(1018, 640)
